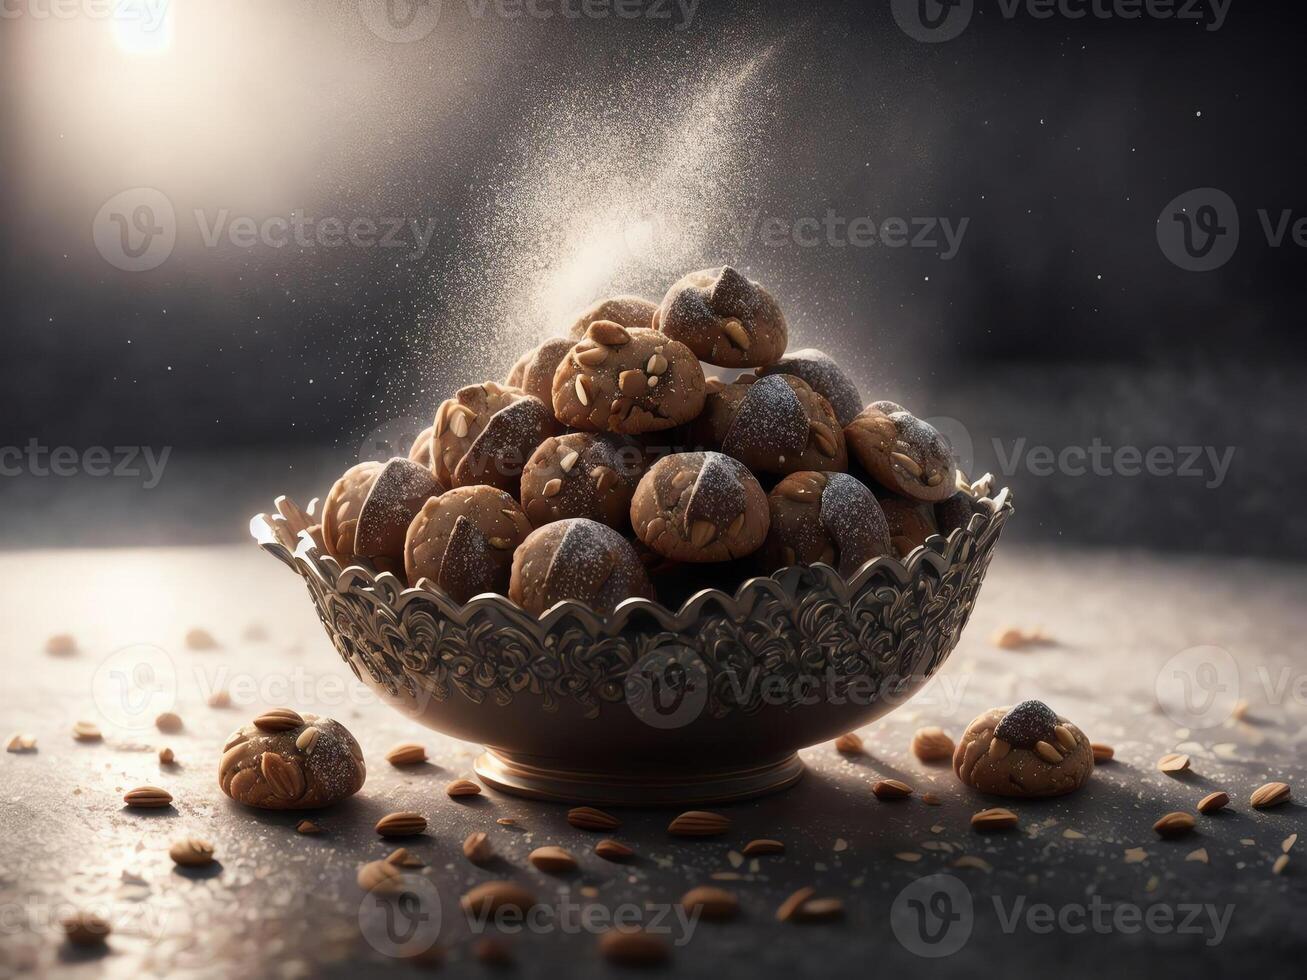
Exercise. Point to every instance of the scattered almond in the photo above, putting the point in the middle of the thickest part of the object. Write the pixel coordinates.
(1280, 864)
(891, 789)
(788, 907)
(1213, 802)
(85, 731)
(1175, 824)
(147, 797)
(86, 929)
(932, 744)
(220, 699)
(1173, 762)
(191, 852)
(407, 754)
(930, 799)
(380, 876)
(477, 848)
(402, 857)
(307, 827)
(764, 845)
(506, 822)
(404, 823)
(1286, 845)
(1014, 638)
(21, 742)
(169, 722)
(200, 639)
(611, 850)
(463, 787)
(166, 756)
(553, 859)
(819, 910)
(713, 904)
(61, 645)
(1199, 856)
(1102, 753)
(491, 896)
(1270, 794)
(995, 818)
(699, 823)
(278, 720)
(588, 818)
(850, 743)
(633, 947)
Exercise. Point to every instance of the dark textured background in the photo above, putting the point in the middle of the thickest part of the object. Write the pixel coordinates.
(1059, 320)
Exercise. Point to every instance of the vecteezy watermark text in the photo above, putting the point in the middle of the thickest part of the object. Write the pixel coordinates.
(406, 21)
(1208, 463)
(935, 21)
(149, 14)
(123, 462)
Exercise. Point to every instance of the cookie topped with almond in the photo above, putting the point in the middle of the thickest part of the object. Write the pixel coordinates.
(287, 761)
(1024, 750)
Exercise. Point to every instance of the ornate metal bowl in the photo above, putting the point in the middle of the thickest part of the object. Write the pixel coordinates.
(651, 705)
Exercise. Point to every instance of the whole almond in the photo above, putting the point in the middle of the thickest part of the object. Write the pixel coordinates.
(633, 947)
(1175, 824)
(932, 744)
(86, 929)
(402, 857)
(1213, 802)
(491, 896)
(1270, 794)
(1173, 762)
(191, 852)
(147, 797)
(220, 699)
(588, 818)
(307, 827)
(1102, 753)
(169, 722)
(284, 776)
(85, 731)
(891, 789)
(380, 876)
(790, 906)
(611, 850)
(304, 742)
(995, 818)
(819, 910)
(739, 336)
(21, 742)
(552, 859)
(166, 756)
(463, 787)
(850, 743)
(278, 720)
(476, 847)
(608, 333)
(407, 754)
(712, 903)
(764, 845)
(403, 823)
(699, 823)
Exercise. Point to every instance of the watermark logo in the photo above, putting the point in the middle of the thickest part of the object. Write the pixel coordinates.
(668, 688)
(933, 916)
(400, 21)
(403, 919)
(136, 230)
(933, 21)
(118, 462)
(391, 439)
(1199, 687)
(133, 685)
(1199, 230)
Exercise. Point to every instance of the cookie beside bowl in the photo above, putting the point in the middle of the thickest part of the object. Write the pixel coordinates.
(650, 705)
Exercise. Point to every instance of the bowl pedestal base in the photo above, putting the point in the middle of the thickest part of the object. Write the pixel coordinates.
(521, 777)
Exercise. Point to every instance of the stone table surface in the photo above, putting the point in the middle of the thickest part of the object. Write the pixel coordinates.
(1084, 886)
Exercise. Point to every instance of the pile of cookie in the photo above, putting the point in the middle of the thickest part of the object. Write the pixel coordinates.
(608, 465)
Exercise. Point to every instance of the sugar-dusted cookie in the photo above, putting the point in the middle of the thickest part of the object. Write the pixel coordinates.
(340, 511)
(725, 318)
(823, 376)
(628, 381)
(826, 517)
(397, 494)
(485, 433)
(700, 507)
(902, 452)
(579, 559)
(463, 541)
(1026, 750)
(534, 371)
(631, 312)
(582, 474)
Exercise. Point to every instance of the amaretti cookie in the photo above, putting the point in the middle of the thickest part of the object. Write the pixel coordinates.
(628, 381)
(582, 474)
(579, 559)
(463, 541)
(824, 517)
(823, 376)
(534, 371)
(902, 452)
(773, 424)
(340, 511)
(486, 433)
(1026, 750)
(700, 507)
(725, 318)
(631, 312)
(910, 522)
(397, 494)
(287, 761)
